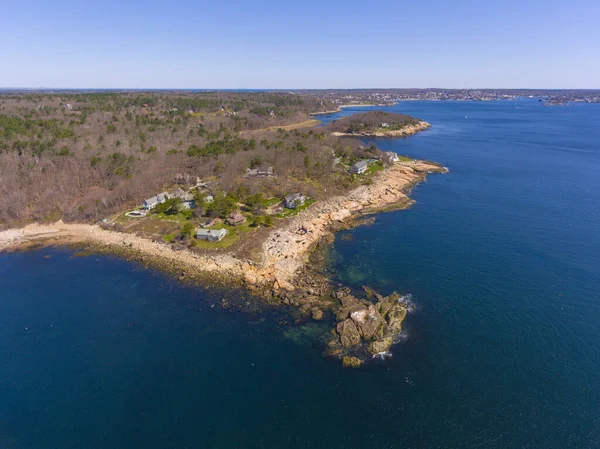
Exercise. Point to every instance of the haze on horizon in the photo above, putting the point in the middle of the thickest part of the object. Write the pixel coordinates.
(267, 44)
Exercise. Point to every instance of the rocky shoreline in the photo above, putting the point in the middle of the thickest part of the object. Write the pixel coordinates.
(408, 130)
(288, 268)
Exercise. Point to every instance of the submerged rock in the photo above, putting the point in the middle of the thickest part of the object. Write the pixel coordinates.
(351, 362)
(317, 314)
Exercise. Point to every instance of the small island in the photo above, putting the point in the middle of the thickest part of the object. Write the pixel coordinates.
(377, 124)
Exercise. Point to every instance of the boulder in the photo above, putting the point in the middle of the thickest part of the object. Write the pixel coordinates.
(368, 321)
(317, 314)
(385, 304)
(347, 299)
(395, 317)
(383, 345)
(349, 335)
(351, 362)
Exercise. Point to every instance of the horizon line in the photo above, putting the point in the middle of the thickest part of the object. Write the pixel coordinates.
(295, 89)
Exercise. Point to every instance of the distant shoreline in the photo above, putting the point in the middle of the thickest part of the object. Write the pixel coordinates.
(406, 131)
(339, 108)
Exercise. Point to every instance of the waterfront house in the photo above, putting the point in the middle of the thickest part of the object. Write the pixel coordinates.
(390, 157)
(235, 219)
(155, 200)
(211, 235)
(359, 168)
(294, 200)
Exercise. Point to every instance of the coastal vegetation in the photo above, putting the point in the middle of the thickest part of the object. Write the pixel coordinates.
(84, 157)
(377, 124)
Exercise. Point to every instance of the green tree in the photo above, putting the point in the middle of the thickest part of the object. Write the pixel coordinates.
(219, 167)
(307, 162)
(200, 202)
(186, 230)
(268, 221)
(222, 206)
(255, 162)
(169, 207)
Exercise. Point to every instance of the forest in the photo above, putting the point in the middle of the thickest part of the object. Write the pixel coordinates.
(84, 156)
(370, 121)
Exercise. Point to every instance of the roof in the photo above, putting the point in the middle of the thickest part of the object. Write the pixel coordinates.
(294, 197)
(236, 216)
(160, 197)
(263, 170)
(361, 164)
(216, 232)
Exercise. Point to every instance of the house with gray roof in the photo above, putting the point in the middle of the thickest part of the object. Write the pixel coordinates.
(155, 200)
(211, 235)
(260, 172)
(359, 168)
(294, 200)
(186, 198)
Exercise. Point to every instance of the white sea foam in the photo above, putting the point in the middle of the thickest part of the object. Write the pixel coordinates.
(382, 355)
(411, 306)
(401, 337)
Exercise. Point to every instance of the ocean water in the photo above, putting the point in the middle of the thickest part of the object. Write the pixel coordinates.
(501, 257)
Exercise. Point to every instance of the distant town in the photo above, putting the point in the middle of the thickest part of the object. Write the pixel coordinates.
(390, 96)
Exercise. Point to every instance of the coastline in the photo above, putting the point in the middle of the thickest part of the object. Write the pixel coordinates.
(279, 258)
(341, 107)
(407, 131)
(288, 268)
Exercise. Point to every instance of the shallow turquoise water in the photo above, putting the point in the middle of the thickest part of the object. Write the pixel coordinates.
(502, 351)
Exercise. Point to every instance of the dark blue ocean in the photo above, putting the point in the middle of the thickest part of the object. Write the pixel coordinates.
(501, 257)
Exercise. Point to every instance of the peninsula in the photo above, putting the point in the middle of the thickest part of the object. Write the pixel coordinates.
(377, 124)
(232, 210)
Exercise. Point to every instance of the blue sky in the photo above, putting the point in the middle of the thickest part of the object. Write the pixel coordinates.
(309, 44)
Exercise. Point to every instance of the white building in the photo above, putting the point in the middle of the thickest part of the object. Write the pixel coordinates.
(211, 235)
(359, 168)
(155, 200)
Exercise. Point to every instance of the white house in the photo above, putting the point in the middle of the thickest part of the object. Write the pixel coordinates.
(359, 168)
(294, 200)
(155, 200)
(211, 235)
(391, 157)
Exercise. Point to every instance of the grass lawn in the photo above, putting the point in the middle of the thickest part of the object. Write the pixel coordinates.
(228, 240)
(271, 202)
(291, 212)
(233, 235)
(373, 168)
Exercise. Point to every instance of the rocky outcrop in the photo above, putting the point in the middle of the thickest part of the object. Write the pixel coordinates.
(366, 328)
(351, 362)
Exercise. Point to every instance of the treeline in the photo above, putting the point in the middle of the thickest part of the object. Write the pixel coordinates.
(371, 120)
(85, 156)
